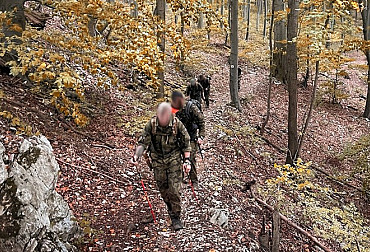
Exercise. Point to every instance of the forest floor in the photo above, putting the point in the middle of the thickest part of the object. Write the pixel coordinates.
(105, 194)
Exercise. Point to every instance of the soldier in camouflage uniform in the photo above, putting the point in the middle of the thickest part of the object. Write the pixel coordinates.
(192, 118)
(195, 91)
(205, 82)
(167, 140)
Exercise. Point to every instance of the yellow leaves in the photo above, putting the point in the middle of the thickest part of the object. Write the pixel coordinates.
(22, 128)
(41, 67)
(16, 28)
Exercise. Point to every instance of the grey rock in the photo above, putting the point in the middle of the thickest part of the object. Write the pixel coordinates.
(33, 216)
(3, 172)
(220, 217)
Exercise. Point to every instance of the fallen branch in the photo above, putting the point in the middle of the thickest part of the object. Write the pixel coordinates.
(272, 144)
(242, 145)
(248, 187)
(96, 172)
(86, 135)
(342, 183)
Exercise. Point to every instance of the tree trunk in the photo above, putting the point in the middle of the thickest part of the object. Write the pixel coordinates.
(293, 5)
(264, 18)
(201, 21)
(300, 142)
(366, 26)
(134, 9)
(270, 75)
(228, 19)
(91, 26)
(222, 13)
(234, 41)
(248, 19)
(280, 37)
(161, 13)
(259, 11)
(275, 232)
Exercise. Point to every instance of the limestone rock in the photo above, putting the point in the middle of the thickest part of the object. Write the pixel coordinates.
(33, 216)
(220, 217)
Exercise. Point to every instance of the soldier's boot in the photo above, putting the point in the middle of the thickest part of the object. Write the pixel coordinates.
(176, 223)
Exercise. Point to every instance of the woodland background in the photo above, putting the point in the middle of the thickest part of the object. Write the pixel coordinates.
(88, 74)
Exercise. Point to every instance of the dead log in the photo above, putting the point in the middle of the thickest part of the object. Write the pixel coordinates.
(275, 231)
(36, 18)
(248, 187)
(125, 183)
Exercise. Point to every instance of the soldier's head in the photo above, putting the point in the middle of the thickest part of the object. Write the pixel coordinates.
(164, 114)
(201, 77)
(177, 100)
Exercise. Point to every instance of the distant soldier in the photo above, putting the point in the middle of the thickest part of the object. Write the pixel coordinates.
(191, 116)
(169, 145)
(205, 82)
(195, 91)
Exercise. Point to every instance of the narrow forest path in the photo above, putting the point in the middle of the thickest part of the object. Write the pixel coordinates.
(217, 190)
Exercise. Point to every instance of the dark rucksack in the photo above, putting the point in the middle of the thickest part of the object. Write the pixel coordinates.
(188, 107)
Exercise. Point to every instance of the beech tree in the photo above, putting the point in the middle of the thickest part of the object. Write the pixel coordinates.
(366, 31)
(292, 66)
(280, 36)
(234, 55)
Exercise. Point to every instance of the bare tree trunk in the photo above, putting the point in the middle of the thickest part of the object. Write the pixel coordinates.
(91, 26)
(293, 5)
(222, 12)
(275, 232)
(234, 55)
(280, 37)
(259, 11)
(182, 30)
(366, 26)
(300, 144)
(134, 9)
(244, 10)
(248, 19)
(161, 13)
(264, 18)
(201, 21)
(271, 62)
(228, 19)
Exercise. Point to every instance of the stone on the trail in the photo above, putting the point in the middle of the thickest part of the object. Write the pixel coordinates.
(33, 216)
(220, 217)
(3, 172)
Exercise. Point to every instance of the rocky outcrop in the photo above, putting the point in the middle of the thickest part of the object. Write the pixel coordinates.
(33, 216)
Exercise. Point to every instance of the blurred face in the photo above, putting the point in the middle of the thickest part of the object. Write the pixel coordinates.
(178, 103)
(164, 117)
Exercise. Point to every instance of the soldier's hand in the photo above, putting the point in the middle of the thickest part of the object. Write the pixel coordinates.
(186, 166)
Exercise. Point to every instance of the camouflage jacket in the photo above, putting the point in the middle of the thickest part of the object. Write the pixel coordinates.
(205, 84)
(195, 92)
(165, 141)
(193, 122)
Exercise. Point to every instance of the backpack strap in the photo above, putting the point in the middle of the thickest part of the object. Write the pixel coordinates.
(175, 123)
(153, 121)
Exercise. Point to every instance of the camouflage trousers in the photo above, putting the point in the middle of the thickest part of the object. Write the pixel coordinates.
(168, 176)
(193, 172)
